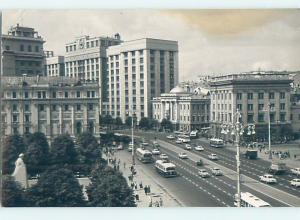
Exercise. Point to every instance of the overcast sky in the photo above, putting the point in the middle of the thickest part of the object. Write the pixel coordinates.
(210, 41)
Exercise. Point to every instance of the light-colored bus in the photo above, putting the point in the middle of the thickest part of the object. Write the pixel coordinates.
(216, 142)
(249, 200)
(143, 155)
(165, 168)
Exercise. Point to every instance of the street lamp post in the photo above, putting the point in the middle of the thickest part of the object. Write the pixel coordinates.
(237, 130)
(132, 138)
(268, 110)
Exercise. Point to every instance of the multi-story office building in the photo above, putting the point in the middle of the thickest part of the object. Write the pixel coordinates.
(86, 59)
(186, 110)
(52, 105)
(22, 52)
(138, 71)
(55, 65)
(251, 93)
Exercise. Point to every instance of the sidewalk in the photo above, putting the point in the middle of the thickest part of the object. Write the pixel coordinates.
(293, 149)
(158, 195)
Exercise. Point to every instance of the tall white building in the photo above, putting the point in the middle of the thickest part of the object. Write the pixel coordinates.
(86, 59)
(138, 71)
(55, 65)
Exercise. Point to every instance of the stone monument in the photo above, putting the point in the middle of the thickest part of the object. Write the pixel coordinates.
(20, 172)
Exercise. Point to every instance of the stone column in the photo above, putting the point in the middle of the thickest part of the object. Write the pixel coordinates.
(72, 121)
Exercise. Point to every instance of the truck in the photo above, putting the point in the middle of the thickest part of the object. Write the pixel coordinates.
(251, 154)
(277, 168)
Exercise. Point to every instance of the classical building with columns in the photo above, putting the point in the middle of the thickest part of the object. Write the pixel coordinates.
(187, 110)
(140, 70)
(252, 93)
(51, 105)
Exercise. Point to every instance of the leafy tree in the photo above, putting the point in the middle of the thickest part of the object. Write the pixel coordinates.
(57, 187)
(107, 138)
(63, 151)
(144, 123)
(37, 153)
(166, 124)
(108, 120)
(118, 122)
(153, 123)
(128, 121)
(13, 145)
(12, 192)
(109, 189)
(89, 149)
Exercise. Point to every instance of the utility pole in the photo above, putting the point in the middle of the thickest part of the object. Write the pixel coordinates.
(238, 162)
(132, 139)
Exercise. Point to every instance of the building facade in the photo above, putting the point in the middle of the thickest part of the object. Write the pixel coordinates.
(86, 59)
(251, 93)
(55, 65)
(51, 105)
(23, 53)
(186, 110)
(140, 70)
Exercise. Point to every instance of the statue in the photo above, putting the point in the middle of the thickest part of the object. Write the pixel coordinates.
(20, 172)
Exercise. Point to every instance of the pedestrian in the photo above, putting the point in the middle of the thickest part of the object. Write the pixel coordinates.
(135, 186)
(118, 167)
(132, 185)
(160, 202)
(137, 198)
(145, 189)
(156, 204)
(141, 185)
(149, 191)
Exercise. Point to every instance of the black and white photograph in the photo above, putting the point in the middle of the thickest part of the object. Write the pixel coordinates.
(150, 108)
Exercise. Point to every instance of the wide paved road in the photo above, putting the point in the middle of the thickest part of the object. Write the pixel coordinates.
(221, 189)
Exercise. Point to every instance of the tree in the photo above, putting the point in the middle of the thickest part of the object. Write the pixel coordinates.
(144, 123)
(128, 121)
(63, 151)
(57, 187)
(12, 192)
(118, 122)
(13, 146)
(109, 188)
(89, 149)
(166, 124)
(153, 123)
(108, 120)
(37, 153)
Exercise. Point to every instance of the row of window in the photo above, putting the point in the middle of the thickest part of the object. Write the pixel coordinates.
(43, 94)
(91, 44)
(261, 107)
(29, 48)
(261, 95)
(250, 117)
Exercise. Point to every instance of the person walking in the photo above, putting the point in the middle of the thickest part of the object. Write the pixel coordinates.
(124, 165)
(160, 202)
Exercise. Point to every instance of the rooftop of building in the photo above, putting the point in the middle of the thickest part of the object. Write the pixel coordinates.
(61, 81)
(22, 32)
(116, 37)
(252, 76)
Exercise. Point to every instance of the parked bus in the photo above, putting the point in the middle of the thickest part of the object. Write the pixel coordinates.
(165, 168)
(215, 142)
(194, 134)
(249, 200)
(145, 156)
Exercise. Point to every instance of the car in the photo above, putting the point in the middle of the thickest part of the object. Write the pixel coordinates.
(216, 171)
(199, 162)
(295, 182)
(295, 171)
(213, 157)
(120, 147)
(144, 143)
(186, 140)
(268, 178)
(203, 173)
(155, 151)
(171, 137)
(182, 155)
(179, 141)
(163, 156)
(188, 147)
(199, 148)
(129, 148)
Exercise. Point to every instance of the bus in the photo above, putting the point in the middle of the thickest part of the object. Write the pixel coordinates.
(249, 200)
(215, 142)
(165, 168)
(194, 134)
(143, 155)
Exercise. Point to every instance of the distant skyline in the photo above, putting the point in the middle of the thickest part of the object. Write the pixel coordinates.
(210, 41)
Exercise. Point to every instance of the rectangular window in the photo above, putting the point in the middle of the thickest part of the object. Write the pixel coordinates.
(282, 117)
(260, 107)
(282, 95)
(250, 107)
(239, 96)
(261, 117)
(39, 95)
(66, 107)
(88, 94)
(78, 94)
(78, 107)
(282, 106)
(26, 118)
(239, 107)
(54, 95)
(26, 107)
(15, 108)
(26, 95)
(261, 95)
(66, 94)
(250, 96)
(54, 107)
(91, 107)
(15, 118)
(41, 108)
(250, 118)
(14, 95)
(44, 94)
(271, 95)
